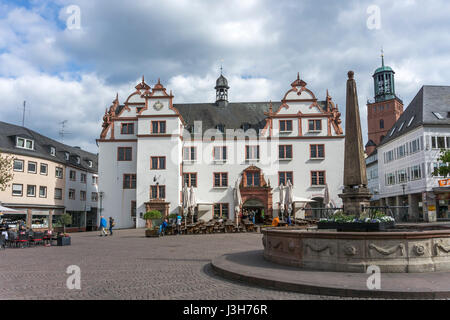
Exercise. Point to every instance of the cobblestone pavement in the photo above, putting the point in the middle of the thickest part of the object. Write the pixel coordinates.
(130, 266)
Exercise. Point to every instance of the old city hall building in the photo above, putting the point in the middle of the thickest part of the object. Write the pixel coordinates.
(150, 147)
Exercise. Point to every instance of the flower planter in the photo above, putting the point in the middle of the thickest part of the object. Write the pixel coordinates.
(356, 226)
(63, 241)
(152, 232)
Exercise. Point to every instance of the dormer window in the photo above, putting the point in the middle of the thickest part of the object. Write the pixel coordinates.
(53, 151)
(67, 155)
(411, 120)
(24, 143)
(392, 132)
(78, 160)
(438, 115)
(90, 164)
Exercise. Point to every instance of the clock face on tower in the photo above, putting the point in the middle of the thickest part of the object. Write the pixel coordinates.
(158, 105)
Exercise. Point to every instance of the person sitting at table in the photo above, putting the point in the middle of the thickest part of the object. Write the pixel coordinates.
(275, 222)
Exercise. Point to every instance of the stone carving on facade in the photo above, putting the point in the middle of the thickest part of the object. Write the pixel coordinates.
(419, 249)
(441, 247)
(350, 250)
(279, 245)
(388, 251)
(108, 116)
(291, 246)
(320, 249)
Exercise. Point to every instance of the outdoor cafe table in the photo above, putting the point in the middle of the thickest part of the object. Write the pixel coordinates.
(190, 228)
(229, 226)
(249, 226)
(209, 227)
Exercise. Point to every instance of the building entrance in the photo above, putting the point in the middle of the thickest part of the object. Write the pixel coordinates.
(253, 208)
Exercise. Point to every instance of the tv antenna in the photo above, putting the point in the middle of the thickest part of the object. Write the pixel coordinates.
(62, 132)
(24, 110)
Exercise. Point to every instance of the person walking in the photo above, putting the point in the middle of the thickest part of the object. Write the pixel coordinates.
(111, 225)
(179, 224)
(162, 227)
(103, 226)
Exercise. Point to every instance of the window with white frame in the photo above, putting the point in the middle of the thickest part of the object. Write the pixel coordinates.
(17, 190)
(24, 143)
(390, 179)
(189, 153)
(389, 156)
(401, 176)
(220, 153)
(42, 192)
(32, 167)
(31, 190)
(416, 172)
(18, 165)
(53, 151)
(43, 169)
(251, 152)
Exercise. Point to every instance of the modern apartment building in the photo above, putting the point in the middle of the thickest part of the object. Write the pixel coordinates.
(50, 178)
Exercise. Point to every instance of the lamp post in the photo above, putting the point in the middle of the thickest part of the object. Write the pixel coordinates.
(101, 194)
(403, 199)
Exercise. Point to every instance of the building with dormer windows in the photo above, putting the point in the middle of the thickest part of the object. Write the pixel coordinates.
(50, 179)
(150, 147)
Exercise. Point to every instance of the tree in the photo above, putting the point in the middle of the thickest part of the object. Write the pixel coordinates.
(150, 216)
(443, 170)
(6, 171)
(64, 220)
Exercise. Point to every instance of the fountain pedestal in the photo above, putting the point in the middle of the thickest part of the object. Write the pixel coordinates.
(355, 199)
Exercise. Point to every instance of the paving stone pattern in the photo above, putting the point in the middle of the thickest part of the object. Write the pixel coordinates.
(130, 266)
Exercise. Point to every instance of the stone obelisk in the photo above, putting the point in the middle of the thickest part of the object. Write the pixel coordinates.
(355, 196)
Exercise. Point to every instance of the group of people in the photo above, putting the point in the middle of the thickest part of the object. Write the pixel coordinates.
(104, 224)
(165, 224)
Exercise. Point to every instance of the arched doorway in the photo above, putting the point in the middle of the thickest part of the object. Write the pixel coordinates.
(253, 207)
(256, 192)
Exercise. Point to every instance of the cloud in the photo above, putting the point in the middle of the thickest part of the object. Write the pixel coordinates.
(261, 44)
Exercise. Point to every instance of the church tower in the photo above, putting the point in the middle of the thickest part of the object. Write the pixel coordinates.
(221, 90)
(385, 110)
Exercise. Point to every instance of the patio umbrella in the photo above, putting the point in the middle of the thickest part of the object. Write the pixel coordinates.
(326, 197)
(237, 201)
(185, 196)
(7, 210)
(288, 198)
(281, 200)
(192, 202)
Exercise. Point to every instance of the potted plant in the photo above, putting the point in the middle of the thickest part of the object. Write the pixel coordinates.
(63, 239)
(150, 216)
(364, 223)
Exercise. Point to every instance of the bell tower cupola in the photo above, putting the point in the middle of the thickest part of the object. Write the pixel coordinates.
(384, 83)
(221, 90)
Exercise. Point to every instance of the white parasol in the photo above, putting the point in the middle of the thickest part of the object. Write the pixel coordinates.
(185, 205)
(289, 196)
(192, 202)
(281, 199)
(237, 201)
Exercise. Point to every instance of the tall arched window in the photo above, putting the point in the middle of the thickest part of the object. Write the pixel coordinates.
(381, 124)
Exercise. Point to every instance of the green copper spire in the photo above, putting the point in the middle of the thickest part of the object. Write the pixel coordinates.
(384, 84)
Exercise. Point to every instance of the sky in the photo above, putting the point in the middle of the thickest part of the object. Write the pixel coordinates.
(68, 64)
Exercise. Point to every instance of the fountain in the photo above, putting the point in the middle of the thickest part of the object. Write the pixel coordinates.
(398, 250)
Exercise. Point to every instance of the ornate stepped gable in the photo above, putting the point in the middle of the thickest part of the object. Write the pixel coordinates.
(235, 115)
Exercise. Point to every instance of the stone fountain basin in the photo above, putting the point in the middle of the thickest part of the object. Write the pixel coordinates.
(397, 250)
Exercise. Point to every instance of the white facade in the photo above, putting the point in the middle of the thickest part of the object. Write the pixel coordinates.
(422, 159)
(310, 171)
